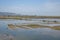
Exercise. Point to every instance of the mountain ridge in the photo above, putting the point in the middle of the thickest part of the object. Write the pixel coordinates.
(7, 13)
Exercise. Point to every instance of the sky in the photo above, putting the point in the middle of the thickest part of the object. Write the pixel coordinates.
(31, 7)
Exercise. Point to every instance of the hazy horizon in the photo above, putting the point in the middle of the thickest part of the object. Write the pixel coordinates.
(31, 7)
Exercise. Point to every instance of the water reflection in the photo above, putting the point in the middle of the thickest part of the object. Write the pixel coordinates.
(26, 34)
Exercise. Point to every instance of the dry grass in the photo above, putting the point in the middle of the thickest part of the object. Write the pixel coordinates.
(11, 26)
(56, 28)
(26, 17)
(33, 26)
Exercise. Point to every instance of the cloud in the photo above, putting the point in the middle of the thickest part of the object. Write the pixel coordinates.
(51, 7)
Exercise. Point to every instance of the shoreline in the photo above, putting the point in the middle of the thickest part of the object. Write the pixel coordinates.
(26, 17)
(33, 26)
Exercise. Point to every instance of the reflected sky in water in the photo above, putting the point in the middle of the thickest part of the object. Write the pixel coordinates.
(27, 34)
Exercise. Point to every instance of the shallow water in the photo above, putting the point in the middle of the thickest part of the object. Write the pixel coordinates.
(26, 34)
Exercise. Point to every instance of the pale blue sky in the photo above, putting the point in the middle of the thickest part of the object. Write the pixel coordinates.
(31, 7)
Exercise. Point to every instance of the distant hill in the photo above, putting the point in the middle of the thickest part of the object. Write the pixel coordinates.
(7, 13)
